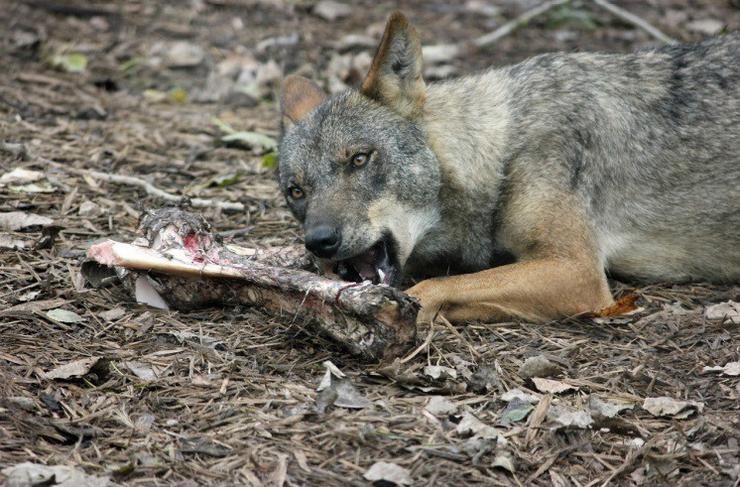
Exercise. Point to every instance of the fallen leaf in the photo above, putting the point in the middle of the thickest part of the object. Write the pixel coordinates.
(485, 379)
(709, 27)
(75, 369)
(730, 368)
(724, 311)
(64, 316)
(73, 62)
(469, 425)
(566, 417)
(146, 294)
(667, 406)
(89, 209)
(331, 10)
(624, 305)
(552, 386)
(505, 461)
(141, 370)
(252, 140)
(440, 406)
(40, 187)
(29, 474)
(176, 54)
(335, 388)
(22, 221)
(607, 409)
(20, 176)
(513, 394)
(440, 372)
(112, 314)
(538, 366)
(516, 410)
(9, 243)
(388, 472)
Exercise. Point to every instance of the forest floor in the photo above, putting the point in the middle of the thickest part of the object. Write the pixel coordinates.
(225, 396)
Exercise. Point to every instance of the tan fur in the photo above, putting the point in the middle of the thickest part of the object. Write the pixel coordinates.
(559, 273)
(298, 98)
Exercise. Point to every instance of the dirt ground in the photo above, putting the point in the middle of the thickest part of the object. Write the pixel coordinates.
(227, 396)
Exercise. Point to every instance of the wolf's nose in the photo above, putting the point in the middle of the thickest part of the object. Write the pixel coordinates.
(323, 240)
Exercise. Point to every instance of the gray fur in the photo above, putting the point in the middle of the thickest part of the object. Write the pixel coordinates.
(647, 143)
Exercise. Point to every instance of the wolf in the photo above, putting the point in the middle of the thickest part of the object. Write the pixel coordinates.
(514, 192)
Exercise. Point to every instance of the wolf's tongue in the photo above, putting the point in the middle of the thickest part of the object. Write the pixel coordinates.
(365, 264)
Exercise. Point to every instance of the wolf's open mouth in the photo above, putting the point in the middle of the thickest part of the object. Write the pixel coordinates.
(378, 264)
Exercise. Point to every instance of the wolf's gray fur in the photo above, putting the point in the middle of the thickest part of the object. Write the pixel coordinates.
(646, 144)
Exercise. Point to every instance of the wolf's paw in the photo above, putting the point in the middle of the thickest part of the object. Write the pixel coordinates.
(429, 298)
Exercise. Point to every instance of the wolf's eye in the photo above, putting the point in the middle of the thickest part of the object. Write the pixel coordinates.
(295, 192)
(360, 159)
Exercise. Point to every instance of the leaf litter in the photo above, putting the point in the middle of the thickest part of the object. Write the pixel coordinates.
(255, 421)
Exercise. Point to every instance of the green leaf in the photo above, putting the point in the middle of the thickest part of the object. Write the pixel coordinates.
(270, 160)
(72, 63)
(178, 95)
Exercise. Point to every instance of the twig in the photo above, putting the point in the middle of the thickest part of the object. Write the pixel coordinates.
(149, 188)
(635, 20)
(445, 52)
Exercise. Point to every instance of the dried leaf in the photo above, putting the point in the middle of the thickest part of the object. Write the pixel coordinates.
(29, 474)
(730, 368)
(520, 395)
(20, 176)
(64, 316)
(331, 10)
(146, 294)
(724, 311)
(538, 366)
(22, 221)
(388, 472)
(141, 370)
(112, 314)
(625, 305)
(552, 386)
(41, 187)
(607, 409)
(469, 425)
(77, 368)
(253, 140)
(504, 460)
(565, 417)
(440, 372)
(440, 406)
(335, 388)
(667, 406)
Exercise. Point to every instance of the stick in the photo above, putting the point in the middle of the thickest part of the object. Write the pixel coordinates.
(150, 188)
(188, 268)
(635, 20)
(444, 52)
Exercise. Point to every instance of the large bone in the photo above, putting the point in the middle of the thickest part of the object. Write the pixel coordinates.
(189, 268)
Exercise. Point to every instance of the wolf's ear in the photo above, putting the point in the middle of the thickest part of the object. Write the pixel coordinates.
(395, 77)
(298, 97)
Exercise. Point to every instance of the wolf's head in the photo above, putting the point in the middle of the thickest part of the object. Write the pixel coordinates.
(356, 169)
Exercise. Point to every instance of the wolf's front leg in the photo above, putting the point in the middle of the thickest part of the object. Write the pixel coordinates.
(535, 290)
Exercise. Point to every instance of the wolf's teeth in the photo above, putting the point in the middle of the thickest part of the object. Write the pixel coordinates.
(381, 275)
